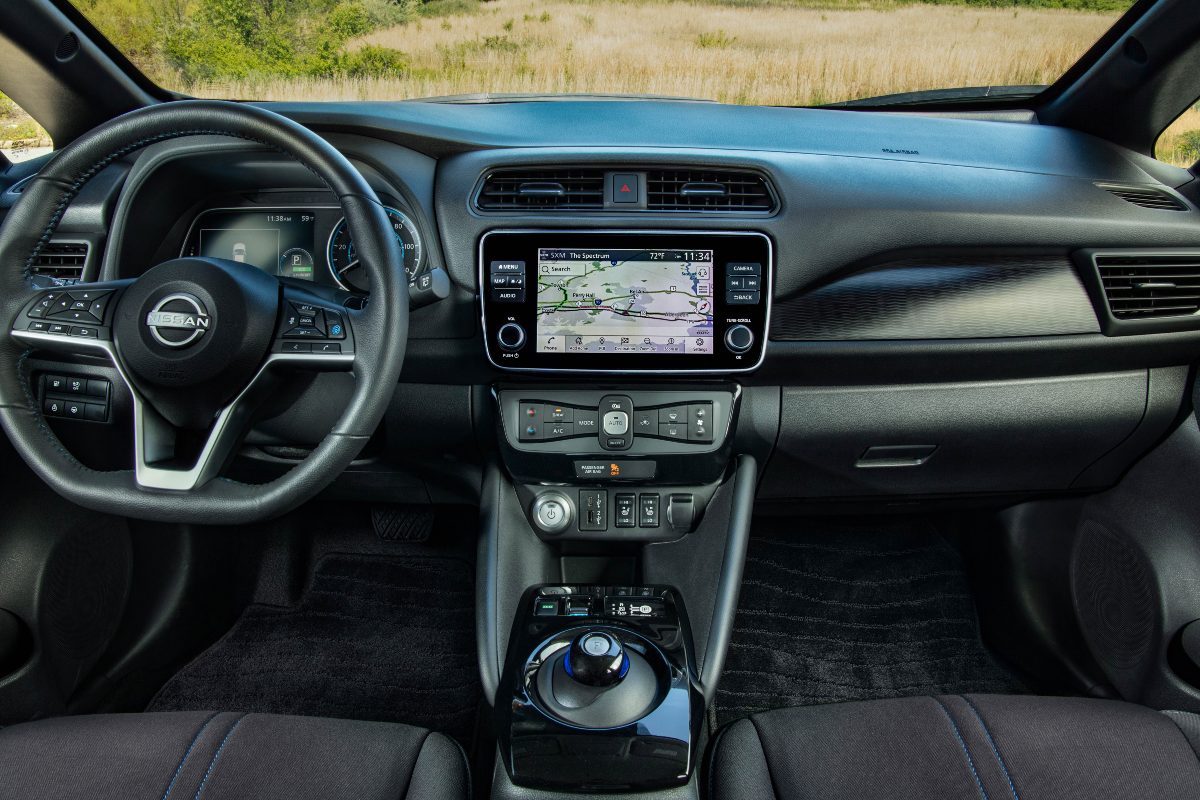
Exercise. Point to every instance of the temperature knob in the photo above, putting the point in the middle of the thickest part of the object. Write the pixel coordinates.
(739, 338)
(510, 337)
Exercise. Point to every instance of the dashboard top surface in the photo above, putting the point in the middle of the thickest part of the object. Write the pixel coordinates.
(449, 127)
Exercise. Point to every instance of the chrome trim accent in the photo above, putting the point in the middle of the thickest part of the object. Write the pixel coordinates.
(157, 318)
(154, 437)
(769, 292)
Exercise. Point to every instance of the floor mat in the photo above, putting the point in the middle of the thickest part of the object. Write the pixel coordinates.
(373, 638)
(851, 614)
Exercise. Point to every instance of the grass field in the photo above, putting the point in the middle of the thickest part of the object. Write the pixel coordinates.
(775, 52)
(781, 54)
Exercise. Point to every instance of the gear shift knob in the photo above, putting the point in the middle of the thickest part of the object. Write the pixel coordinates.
(597, 658)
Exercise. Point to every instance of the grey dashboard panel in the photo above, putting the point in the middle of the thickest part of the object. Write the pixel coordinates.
(584, 124)
(958, 297)
(981, 437)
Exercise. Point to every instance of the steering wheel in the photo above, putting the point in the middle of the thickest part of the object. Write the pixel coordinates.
(197, 340)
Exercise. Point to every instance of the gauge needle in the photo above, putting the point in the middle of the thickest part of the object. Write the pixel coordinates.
(348, 267)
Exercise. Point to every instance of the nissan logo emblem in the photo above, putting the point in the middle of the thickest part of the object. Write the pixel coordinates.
(178, 320)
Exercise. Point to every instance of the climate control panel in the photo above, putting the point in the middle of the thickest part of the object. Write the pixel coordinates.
(634, 422)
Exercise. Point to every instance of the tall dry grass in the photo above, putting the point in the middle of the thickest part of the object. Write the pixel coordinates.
(1180, 142)
(782, 55)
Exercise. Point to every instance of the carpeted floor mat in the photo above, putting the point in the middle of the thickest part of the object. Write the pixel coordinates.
(852, 614)
(373, 638)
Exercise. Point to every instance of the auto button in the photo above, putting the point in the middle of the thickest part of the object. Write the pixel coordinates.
(615, 412)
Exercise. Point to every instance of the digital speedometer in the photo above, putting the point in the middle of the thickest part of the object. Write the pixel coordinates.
(343, 261)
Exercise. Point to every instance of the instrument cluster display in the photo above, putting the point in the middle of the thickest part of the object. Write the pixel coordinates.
(309, 244)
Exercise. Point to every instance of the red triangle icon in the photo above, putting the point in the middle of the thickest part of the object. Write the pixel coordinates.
(625, 188)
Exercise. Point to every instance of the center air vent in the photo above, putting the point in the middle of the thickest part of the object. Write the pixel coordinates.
(707, 190)
(62, 262)
(669, 189)
(543, 190)
(1145, 196)
(1150, 286)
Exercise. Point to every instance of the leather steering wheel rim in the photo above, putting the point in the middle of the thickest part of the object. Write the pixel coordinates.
(380, 330)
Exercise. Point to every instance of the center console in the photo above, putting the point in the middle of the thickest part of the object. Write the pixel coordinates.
(622, 489)
(599, 692)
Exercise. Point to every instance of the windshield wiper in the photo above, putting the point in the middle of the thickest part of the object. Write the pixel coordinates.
(968, 94)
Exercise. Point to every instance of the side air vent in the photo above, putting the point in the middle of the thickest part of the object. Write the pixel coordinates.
(705, 190)
(1145, 196)
(62, 262)
(543, 190)
(1150, 286)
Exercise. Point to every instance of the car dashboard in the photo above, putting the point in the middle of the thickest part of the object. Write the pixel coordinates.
(894, 305)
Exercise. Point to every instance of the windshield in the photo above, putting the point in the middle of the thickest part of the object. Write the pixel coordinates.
(769, 52)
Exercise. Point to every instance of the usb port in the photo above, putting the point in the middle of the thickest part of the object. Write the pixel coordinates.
(579, 606)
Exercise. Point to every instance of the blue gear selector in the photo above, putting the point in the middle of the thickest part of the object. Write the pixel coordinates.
(597, 658)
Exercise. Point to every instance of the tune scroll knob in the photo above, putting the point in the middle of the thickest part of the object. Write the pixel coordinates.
(510, 337)
(739, 338)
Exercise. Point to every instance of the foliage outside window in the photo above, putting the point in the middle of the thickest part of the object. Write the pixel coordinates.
(1180, 142)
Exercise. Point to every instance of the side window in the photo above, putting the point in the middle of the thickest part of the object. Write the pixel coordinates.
(1180, 142)
(21, 137)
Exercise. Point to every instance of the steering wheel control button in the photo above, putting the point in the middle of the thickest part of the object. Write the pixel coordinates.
(510, 337)
(739, 338)
(593, 510)
(552, 512)
(334, 327)
(648, 511)
(59, 329)
(297, 347)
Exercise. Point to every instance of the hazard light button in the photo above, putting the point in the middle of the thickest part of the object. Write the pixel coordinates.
(626, 188)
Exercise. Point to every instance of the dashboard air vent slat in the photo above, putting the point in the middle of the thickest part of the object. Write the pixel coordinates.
(543, 190)
(62, 262)
(707, 190)
(1150, 287)
(1145, 196)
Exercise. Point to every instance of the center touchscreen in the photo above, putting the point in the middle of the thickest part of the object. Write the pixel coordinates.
(624, 301)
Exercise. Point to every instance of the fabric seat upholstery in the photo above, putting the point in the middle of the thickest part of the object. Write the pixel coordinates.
(222, 756)
(972, 747)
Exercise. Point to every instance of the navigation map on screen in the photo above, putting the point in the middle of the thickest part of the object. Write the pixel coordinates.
(624, 301)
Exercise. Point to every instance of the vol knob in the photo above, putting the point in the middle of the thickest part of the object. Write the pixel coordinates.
(739, 338)
(511, 336)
